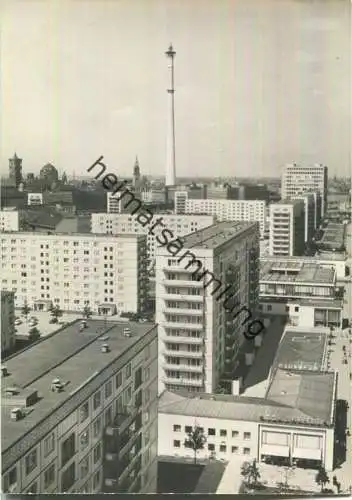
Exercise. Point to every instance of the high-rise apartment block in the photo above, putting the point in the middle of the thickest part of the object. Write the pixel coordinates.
(107, 273)
(287, 228)
(230, 210)
(199, 335)
(297, 180)
(181, 196)
(179, 225)
(7, 320)
(309, 214)
(79, 412)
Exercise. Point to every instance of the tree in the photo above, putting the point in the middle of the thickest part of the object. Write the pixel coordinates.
(322, 478)
(250, 472)
(195, 440)
(34, 334)
(87, 312)
(26, 310)
(56, 312)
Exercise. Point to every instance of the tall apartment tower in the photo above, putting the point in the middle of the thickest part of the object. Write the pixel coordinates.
(170, 177)
(198, 339)
(15, 170)
(297, 180)
(287, 228)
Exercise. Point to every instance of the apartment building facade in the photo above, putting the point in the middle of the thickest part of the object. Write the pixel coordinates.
(309, 215)
(297, 179)
(179, 225)
(7, 320)
(230, 210)
(287, 228)
(9, 219)
(198, 338)
(107, 273)
(97, 431)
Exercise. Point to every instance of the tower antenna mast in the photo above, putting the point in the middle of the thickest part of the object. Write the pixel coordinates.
(170, 178)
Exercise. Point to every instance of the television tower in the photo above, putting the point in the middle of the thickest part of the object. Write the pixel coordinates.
(170, 177)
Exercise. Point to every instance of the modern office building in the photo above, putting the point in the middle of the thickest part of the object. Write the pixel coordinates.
(181, 195)
(230, 210)
(293, 424)
(309, 215)
(287, 228)
(7, 320)
(107, 273)
(9, 219)
(79, 412)
(179, 225)
(303, 291)
(297, 180)
(205, 294)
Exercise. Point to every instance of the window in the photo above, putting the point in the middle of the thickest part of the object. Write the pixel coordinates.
(211, 447)
(188, 429)
(31, 461)
(108, 416)
(223, 432)
(270, 308)
(177, 428)
(68, 449)
(128, 370)
(147, 352)
(296, 309)
(235, 434)
(246, 451)
(211, 432)
(84, 467)
(96, 480)
(84, 412)
(49, 475)
(49, 444)
(223, 448)
(108, 389)
(68, 478)
(96, 400)
(246, 435)
(33, 488)
(97, 453)
(84, 439)
(177, 443)
(11, 479)
(234, 449)
(118, 380)
(97, 427)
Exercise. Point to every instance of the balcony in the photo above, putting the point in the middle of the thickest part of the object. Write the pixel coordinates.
(185, 312)
(122, 420)
(185, 326)
(182, 298)
(183, 368)
(182, 381)
(191, 284)
(183, 354)
(184, 340)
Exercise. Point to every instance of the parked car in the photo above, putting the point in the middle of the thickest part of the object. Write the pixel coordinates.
(18, 322)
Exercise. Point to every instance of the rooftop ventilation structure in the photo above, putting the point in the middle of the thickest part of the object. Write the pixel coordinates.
(105, 348)
(127, 332)
(4, 371)
(16, 414)
(57, 385)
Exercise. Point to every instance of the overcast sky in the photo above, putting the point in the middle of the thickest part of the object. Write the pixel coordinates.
(259, 83)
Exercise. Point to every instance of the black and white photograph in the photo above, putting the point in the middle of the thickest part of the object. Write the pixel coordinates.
(176, 249)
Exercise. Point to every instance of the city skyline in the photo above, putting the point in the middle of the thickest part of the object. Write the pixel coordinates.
(93, 76)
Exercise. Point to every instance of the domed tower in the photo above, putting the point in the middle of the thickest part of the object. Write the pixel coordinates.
(15, 170)
(49, 173)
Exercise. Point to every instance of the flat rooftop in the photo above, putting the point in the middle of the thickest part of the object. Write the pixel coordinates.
(51, 235)
(301, 349)
(74, 357)
(296, 272)
(293, 410)
(216, 235)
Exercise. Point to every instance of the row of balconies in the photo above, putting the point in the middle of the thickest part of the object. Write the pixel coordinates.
(186, 326)
(184, 353)
(190, 312)
(199, 382)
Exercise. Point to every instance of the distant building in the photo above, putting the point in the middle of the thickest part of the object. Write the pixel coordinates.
(15, 170)
(84, 419)
(297, 180)
(49, 173)
(7, 320)
(287, 231)
(76, 270)
(35, 199)
(198, 338)
(230, 210)
(9, 219)
(309, 215)
(151, 196)
(221, 192)
(181, 197)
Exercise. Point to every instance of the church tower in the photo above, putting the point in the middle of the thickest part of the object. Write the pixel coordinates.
(136, 174)
(15, 170)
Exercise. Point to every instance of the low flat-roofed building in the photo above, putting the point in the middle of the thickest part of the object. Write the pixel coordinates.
(302, 290)
(293, 422)
(79, 411)
(333, 239)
